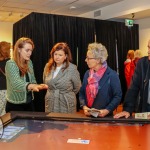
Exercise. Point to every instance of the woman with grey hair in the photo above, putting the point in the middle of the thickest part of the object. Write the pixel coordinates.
(101, 91)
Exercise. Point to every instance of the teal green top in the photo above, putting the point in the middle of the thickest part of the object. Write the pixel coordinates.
(16, 85)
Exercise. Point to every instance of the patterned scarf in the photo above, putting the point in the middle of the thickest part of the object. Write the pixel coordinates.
(93, 80)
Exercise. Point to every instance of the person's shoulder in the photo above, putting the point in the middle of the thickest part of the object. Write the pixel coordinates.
(127, 61)
(111, 72)
(72, 66)
(46, 65)
(86, 74)
(11, 64)
(143, 60)
(10, 61)
(109, 69)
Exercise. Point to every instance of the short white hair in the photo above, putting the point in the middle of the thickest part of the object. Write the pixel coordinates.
(99, 51)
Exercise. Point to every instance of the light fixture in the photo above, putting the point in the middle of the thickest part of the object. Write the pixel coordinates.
(133, 15)
(72, 7)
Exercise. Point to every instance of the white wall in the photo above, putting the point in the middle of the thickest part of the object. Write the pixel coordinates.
(144, 34)
(6, 29)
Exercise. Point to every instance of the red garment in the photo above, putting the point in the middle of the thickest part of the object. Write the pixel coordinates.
(129, 71)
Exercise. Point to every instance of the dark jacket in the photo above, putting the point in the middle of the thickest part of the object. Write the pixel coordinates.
(109, 93)
(2, 76)
(140, 82)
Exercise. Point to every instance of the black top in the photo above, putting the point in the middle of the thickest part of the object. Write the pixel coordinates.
(2, 76)
(29, 93)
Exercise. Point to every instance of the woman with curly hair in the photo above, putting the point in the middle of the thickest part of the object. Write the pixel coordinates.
(101, 89)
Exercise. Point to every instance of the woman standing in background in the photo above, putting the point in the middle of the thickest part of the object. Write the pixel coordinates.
(4, 57)
(129, 67)
(137, 56)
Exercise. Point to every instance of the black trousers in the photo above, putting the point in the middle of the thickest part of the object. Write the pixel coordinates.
(19, 107)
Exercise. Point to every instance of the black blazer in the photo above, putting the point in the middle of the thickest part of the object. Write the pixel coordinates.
(139, 86)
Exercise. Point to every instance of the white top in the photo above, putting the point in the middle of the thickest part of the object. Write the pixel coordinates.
(56, 71)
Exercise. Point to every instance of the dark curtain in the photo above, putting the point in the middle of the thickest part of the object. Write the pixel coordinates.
(46, 30)
(85, 35)
(65, 31)
(105, 34)
(127, 38)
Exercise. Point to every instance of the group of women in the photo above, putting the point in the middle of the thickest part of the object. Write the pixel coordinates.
(100, 89)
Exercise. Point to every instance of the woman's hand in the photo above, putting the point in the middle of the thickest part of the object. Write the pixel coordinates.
(37, 87)
(122, 114)
(42, 86)
(103, 112)
(86, 112)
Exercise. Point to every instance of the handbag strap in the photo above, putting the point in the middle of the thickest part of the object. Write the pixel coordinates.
(2, 72)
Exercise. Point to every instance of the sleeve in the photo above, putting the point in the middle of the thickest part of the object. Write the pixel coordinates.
(116, 92)
(76, 80)
(82, 92)
(13, 77)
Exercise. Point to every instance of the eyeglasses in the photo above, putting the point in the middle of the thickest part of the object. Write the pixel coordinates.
(88, 58)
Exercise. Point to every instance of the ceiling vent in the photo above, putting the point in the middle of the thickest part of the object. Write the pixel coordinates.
(97, 13)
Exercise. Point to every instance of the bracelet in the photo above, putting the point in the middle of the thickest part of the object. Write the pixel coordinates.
(27, 87)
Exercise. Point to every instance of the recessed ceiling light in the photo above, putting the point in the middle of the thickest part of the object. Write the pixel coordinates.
(72, 7)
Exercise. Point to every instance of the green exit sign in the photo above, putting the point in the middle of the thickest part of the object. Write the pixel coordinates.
(129, 22)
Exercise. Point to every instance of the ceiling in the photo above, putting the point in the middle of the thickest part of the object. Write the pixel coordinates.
(137, 15)
(14, 10)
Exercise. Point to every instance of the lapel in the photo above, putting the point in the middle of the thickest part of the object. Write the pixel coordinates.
(105, 78)
(60, 74)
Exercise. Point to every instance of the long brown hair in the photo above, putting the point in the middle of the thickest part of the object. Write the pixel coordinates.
(4, 50)
(23, 66)
(57, 47)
